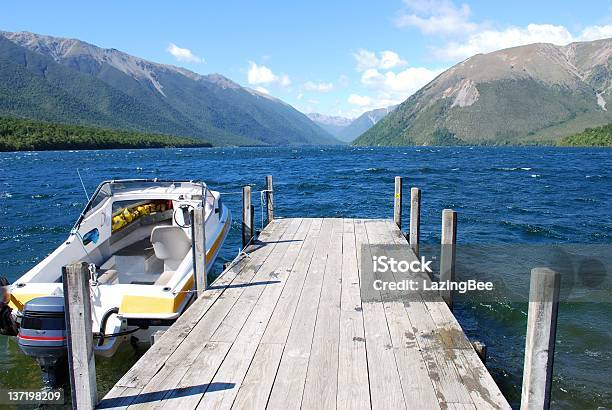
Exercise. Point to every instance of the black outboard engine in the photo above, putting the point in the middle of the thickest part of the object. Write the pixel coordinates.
(42, 336)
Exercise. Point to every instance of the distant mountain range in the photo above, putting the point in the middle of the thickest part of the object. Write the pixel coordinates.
(532, 93)
(346, 129)
(70, 81)
(332, 124)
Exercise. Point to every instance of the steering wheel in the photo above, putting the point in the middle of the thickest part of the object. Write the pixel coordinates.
(186, 209)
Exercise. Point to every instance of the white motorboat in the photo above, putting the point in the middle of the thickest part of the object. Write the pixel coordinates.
(136, 236)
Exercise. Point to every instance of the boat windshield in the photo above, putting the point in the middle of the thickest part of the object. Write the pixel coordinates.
(108, 189)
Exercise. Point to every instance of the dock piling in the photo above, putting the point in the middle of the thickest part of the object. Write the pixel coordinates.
(448, 252)
(397, 203)
(252, 234)
(81, 361)
(270, 198)
(481, 350)
(247, 216)
(415, 219)
(199, 249)
(544, 290)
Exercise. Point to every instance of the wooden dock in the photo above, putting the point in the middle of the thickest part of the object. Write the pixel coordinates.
(285, 327)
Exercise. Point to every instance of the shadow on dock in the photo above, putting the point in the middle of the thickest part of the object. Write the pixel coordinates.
(246, 285)
(156, 396)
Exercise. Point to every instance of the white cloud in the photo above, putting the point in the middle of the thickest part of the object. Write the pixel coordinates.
(385, 60)
(183, 54)
(319, 87)
(401, 84)
(490, 40)
(389, 84)
(260, 74)
(436, 17)
(285, 81)
(596, 33)
(389, 87)
(360, 100)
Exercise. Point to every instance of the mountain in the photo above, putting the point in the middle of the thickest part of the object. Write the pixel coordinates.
(363, 123)
(533, 93)
(346, 129)
(69, 81)
(332, 124)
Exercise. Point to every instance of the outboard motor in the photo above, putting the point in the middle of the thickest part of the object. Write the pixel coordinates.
(42, 336)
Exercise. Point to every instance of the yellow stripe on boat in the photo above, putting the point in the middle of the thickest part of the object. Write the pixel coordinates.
(18, 300)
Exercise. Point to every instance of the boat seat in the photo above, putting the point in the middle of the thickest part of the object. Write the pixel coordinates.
(170, 244)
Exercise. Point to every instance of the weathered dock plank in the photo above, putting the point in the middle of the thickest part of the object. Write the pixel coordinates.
(288, 327)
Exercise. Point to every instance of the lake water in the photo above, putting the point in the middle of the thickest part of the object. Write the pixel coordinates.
(513, 196)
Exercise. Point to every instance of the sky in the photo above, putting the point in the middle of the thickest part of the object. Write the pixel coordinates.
(333, 57)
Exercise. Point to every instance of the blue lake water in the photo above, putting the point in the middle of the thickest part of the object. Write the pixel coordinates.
(502, 196)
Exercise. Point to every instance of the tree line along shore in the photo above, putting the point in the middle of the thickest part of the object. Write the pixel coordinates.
(29, 135)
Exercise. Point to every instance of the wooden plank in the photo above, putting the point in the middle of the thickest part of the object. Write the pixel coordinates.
(280, 323)
(256, 386)
(119, 398)
(322, 377)
(236, 364)
(460, 406)
(259, 381)
(197, 379)
(415, 379)
(416, 384)
(231, 325)
(446, 326)
(445, 376)
(289, 383)
(484, 391)
(385, 387)
(353, 384)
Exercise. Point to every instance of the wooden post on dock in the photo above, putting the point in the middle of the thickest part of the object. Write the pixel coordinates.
(198, 226)
(397, 203)
(81, 360)
(447, 252)
(540, 341)
(247, 221)
(252, 222)
(415, 219)
(270, 198)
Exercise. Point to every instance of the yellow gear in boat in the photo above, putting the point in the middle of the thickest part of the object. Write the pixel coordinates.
(118, 222)
(128, 215)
